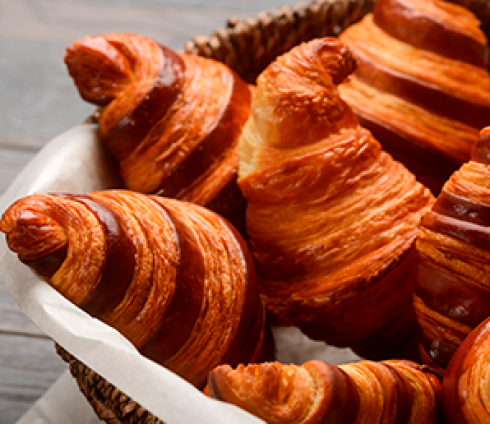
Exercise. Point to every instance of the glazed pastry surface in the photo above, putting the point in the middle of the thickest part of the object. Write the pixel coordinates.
(174, 278)
(317, 392)
(466, 380)
(421, 85)
(171, 120)
(331, 217)
(452, 291)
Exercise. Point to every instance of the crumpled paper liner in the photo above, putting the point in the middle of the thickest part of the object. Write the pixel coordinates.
(76, 162)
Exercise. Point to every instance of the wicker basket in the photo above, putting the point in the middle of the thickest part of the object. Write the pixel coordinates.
(247, 46)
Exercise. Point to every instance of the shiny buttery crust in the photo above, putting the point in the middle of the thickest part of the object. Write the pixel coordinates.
(422, 84)
(171, 120)
(317, 392)
(173, 277)
(452, 291)
(466, 380)
(331, 218)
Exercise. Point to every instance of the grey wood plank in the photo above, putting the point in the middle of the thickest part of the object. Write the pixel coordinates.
(28, 367)
(171, 22)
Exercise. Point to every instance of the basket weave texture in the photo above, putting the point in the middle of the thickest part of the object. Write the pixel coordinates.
(246, 46)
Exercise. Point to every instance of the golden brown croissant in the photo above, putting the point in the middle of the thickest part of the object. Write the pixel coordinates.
(452, 291)
(466, 380)
(331, 217)
(368, 392)
(421, 85)
(173, 277)
(171, 120)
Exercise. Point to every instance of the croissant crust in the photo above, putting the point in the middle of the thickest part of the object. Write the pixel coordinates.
(421, 84)
(465, 383)
(331, 217)
(371, 392)
(452, 291)
(171, 120)
(174, 278)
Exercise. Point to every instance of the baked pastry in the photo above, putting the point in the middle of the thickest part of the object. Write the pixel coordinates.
(171, 120)
(365, 392)
(465, 383)
(173, 277)
(331, 217)
(421, 85)
(452, 291)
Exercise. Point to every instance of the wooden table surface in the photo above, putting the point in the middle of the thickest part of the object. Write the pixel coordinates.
(38, 101)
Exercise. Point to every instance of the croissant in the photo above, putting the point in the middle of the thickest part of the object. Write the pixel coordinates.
(318, 392)
(421, 85)
(174, 278)
(465, 383)
(452, 288)
(331, 217)
(171, 120)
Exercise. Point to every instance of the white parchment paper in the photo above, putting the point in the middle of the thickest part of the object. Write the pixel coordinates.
(76, 162)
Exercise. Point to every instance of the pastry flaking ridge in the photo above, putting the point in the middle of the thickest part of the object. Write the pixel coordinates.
(318, 392)
(452, 289)
(331, 217)
(171, 120)
(174, 278)
(465, 383)
(421, 85)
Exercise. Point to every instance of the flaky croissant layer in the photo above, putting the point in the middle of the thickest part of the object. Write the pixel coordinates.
(466, 380)
(174, 278)
(317, 392)
(331, 217)
(171, 120)
(452, 291)
(422, 85)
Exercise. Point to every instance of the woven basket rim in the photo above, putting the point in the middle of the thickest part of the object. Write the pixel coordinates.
(267, 35)
(248, 45)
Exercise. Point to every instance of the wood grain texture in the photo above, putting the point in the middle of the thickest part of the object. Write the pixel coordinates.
(28, 366)
(40, 101)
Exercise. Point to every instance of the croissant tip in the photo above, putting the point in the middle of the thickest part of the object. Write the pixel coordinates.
(485, 131)
(481, 150)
